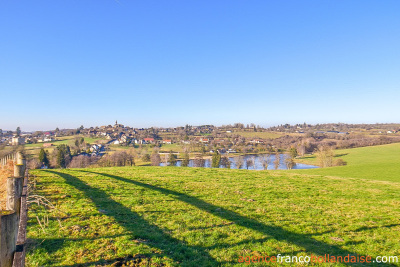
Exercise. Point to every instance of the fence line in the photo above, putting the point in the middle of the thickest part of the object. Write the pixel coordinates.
(20, 249)
(3, 160)
(13, 220)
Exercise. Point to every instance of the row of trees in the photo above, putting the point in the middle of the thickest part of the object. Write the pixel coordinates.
(61, 157)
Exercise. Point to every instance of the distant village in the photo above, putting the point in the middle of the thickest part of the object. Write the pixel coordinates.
(226, 138)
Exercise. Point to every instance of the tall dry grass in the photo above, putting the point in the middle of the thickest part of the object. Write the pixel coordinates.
(5, 171)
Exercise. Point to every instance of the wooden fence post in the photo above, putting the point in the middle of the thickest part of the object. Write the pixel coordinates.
(10, 219)
(8, 237)
(14, 192)
(19, 170)
(20, 160)
(19, 255)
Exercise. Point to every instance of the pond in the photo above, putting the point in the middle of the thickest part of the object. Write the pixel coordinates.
(253, 162)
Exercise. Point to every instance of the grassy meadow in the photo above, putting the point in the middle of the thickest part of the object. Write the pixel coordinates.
(169, 216)
(264, 135)
(34, 149)
(375, 162)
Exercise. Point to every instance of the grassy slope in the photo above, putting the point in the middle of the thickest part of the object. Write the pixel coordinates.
(33, 149)
(376, 162)
(251, 134)
(208, 217)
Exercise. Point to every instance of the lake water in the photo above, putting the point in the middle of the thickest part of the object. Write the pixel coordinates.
(255, 163)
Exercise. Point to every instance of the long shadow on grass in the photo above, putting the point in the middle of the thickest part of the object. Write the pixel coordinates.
(139, 228)
(51, 245)
(303, 240)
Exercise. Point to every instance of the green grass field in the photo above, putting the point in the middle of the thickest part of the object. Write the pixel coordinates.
(376, 163)
(34, 149)
(265, 135)
(169, 216)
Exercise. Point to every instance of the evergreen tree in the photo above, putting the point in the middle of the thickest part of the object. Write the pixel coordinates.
(171, 159)
(60, 159)
(18, 131)
(216, 159)
(63, 155)
(43, 158)
(185, 161)
(293, 152)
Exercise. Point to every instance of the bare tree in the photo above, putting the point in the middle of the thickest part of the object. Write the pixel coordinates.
(239, 162)
(199, 161)
(265, 160)
(165, 159)
(251, 162)
(277, 161)
(289, 162)
(155, 158)
(301, 149)
(225, 162)
(325, 156)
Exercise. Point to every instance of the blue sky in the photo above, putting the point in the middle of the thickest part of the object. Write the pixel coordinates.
(170, 63)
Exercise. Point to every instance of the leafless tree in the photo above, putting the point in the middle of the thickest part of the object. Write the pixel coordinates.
(301, 149)
(251, 162)
(199, 161)
(225, 162)
(34, 164)
(289, 162)
(155, 158)
(277, 161)
(265, 160)
(239, 162)
(325, 156)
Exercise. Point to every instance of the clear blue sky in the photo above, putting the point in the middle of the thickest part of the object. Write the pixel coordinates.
(170, 63)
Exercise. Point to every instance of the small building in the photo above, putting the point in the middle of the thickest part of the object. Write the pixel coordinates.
(257, 141)
(17, 140)
(204, 140)
(48, 139)
(148, 140)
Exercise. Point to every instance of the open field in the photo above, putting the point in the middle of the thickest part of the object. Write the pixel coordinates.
(375, 162)
(265, 135)
(170, 216)
(68, 140)
(33, 149)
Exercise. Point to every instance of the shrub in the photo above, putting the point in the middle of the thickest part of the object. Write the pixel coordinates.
(340, 162)
(146, 157)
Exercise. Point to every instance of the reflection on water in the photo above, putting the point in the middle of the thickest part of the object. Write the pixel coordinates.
(254, 162)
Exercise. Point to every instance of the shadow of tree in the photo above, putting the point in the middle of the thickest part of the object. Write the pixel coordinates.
(365, 228)
(340, 155)
(52, 245)
(173, 248)
(303, 240)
